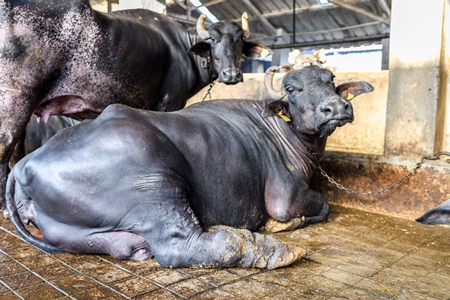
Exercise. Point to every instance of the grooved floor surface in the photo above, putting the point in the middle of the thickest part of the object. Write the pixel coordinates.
(356, 255)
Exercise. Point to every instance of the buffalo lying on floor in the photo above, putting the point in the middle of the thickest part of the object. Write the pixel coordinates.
(134, 183)
(438, 215)
(62, 57)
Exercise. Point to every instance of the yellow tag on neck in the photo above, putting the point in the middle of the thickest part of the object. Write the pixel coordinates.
(350, 96)
(284, 117)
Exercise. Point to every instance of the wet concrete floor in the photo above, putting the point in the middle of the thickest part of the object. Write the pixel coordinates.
(356, 255)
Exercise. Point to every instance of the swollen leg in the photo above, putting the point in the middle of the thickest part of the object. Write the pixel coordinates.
(224, 246)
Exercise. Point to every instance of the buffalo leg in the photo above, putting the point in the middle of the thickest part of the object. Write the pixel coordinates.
(13, 120)
(321, 206)
(7, 148)
(118, 244)
(314, 209)
(223, 246)
(177, 240)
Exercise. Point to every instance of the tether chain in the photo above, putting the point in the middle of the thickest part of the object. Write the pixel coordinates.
(390, 187)
(206, 63)
(395, 184)
(208, 92)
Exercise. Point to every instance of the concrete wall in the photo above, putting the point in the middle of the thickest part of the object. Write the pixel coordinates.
(443, 117)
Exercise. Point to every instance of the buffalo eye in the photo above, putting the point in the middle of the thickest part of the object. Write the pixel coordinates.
(212, 39)
(290, 89)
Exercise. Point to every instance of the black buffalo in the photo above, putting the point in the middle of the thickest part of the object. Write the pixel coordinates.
(135, 183)
(62, 57)
(37, 133)
(438, 215)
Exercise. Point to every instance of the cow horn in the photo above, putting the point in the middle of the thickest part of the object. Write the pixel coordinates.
(202, 32)
(245, 27)
(268, 83)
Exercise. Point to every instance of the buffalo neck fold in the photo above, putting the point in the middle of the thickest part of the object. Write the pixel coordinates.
(301, 152)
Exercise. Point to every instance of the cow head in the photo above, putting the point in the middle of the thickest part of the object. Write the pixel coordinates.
(223, 45)
(312, 103)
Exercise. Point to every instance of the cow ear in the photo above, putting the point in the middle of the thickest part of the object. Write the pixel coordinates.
(350, 90)
(280, 108)
(255, 50)
(201, 48)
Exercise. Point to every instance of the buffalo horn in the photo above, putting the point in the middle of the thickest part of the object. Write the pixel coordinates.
(202, 32)
(268, 83)
(245, 27)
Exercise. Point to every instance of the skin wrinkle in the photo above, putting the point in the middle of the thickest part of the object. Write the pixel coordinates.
(196, 208)
(296, 155)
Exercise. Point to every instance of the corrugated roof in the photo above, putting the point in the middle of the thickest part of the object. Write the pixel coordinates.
(272, 22)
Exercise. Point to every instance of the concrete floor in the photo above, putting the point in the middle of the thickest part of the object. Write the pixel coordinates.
(356, 255)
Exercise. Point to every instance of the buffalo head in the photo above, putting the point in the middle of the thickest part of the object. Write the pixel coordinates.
(312, 103)
(223, 45)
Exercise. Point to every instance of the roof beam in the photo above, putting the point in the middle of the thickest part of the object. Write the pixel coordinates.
(180, 4)
(361, 11)
(332, 43)
(301, 9)
(333, 29)
(385, 7)
(213, 2)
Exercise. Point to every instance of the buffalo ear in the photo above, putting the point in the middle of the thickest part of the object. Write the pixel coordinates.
(255, 50)
(286, 68)
(201, 48)
(350, 90)
(277, 107)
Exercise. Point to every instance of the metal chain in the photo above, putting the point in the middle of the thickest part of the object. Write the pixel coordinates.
(395, 184)
(208, 92)
(206, 63)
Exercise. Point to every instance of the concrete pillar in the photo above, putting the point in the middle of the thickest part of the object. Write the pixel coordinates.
(280, 56)
(443, 136)
(385, 54)
(414, 76)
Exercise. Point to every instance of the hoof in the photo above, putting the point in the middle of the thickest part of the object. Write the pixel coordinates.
(274, 226)
(283, 255)
(246, 249)
(267, 252)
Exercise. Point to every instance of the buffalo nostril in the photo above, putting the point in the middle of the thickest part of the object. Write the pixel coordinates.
(328, 110)
(231, 75)
(239, 76)
(347, 106)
